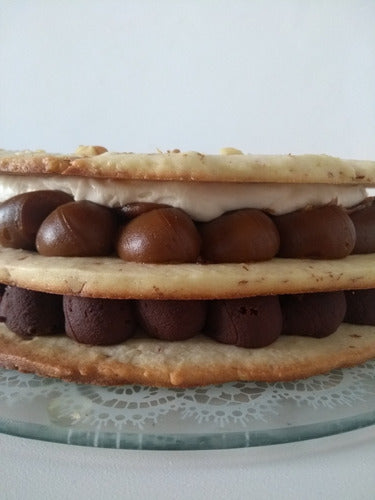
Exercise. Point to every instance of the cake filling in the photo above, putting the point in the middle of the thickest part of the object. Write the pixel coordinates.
(202, 201)
(51, 223)
(250, 322)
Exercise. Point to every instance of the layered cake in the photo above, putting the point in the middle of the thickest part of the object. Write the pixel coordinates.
(179, 269)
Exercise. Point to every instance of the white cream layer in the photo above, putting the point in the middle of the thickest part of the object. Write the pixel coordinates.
(201, 200)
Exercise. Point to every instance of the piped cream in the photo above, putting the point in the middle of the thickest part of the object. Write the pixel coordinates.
(203, 201)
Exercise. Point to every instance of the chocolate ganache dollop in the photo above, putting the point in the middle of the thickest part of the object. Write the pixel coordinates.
(163, 235)
(313, 314)
(79, 228)
(28, 313)
(360, 307)
(172, 319)
(22, 215)
(249, 322)
(323, 233)
(364, 223)
(239, 236)
(98, 321)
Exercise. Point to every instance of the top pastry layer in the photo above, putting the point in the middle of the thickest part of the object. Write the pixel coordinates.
(231, 166)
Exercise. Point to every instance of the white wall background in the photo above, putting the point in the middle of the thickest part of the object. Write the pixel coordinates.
(272, 76)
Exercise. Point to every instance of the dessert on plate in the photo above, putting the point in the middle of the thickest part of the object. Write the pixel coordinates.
(179, 269)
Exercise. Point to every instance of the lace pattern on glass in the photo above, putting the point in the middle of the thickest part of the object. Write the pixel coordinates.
(136, 407)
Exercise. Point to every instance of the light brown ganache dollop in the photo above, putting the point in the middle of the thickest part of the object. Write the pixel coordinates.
(162, 235)
(77, 229)
(22, 215)
(323, 233)
(363, 219)
(240, 236)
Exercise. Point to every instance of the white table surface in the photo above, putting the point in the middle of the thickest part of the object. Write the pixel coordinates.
(336, 467)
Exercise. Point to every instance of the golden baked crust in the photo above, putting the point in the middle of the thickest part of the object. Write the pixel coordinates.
(229, 168)
(195, 362)
(28, 162)
(111, 277)
(193, 166)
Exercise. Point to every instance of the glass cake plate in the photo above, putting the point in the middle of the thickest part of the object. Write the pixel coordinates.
(233, 415)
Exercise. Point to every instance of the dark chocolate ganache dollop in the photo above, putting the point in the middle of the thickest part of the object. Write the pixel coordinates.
(28, 313)
(360, 307)
(240, 236)
(98, 321)
(364, 223)
(79, 228)
(22, 215)
(313, 314)
(163, 235)
(323, 233)
(250, 322)
(172, 319)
